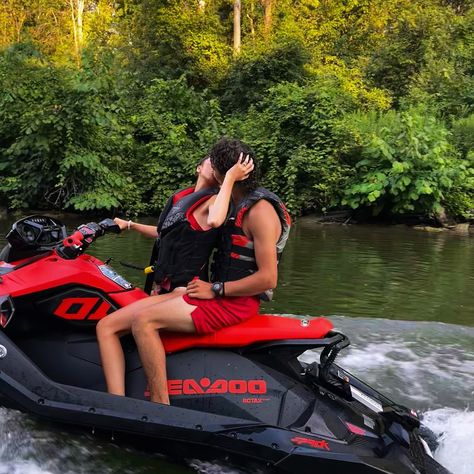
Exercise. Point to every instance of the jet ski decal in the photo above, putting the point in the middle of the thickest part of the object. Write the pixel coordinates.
(254, 401)
(219, 386)
(82, 308)
(312, 443)
(363, 398)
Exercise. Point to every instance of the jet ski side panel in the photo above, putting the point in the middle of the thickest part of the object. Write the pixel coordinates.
(25, 387)
(212, 381)
(218, 381)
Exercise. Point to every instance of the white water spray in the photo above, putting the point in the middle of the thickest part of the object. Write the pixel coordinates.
(455, 432)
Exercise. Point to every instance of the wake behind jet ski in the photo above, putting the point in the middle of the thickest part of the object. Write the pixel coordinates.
(240, 392)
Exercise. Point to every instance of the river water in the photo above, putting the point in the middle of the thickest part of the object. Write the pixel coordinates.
(403, 296)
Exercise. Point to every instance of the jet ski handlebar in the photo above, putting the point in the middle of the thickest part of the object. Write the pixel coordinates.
(76, 243)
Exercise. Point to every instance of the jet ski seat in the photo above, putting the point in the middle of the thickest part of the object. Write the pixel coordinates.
(258, 329)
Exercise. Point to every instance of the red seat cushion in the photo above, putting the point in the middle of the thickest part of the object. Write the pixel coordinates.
(260, 328)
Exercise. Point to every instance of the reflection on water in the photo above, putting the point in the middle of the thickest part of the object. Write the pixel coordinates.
(370, 271)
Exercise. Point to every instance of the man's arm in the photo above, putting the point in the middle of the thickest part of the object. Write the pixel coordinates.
(263, 225)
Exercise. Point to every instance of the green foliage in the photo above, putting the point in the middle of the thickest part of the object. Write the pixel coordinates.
(60, 140)
(291, 130)
(399, 55)
(460, 200)
(169, 39)
(173, 128)
(116, 113)
(403, 162)
(351, 81)
(446, 81)
(253, 74)
(463, 134)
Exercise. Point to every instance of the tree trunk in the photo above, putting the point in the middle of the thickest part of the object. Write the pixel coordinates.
(77, 12)
(80, 12)
(20, 21)
(237, 14)
(267, 17)
(250, 17)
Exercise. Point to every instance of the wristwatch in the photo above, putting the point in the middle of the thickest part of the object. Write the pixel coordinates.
(218, 289)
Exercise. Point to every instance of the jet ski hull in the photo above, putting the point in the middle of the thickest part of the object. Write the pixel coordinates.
(277, 437)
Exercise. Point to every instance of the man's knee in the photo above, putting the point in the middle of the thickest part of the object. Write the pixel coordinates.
(144, 321)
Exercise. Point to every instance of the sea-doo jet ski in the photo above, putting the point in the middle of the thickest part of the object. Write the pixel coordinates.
(239, 393)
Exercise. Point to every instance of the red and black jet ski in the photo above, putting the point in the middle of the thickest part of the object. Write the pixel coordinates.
(239, 393)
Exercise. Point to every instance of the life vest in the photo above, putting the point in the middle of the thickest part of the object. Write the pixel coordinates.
(182, 250)
(235, 258)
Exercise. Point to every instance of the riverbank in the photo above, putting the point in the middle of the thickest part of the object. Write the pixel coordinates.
(340, 217)
(416, 222)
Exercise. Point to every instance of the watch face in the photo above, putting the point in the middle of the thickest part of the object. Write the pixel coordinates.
(217, 288)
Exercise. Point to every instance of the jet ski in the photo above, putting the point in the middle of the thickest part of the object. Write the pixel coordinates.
(241, 393)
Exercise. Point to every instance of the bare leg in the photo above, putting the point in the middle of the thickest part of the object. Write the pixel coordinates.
(174, 315)
(109, 330)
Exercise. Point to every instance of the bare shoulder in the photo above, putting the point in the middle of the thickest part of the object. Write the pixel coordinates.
(263, 210)
(262, 217)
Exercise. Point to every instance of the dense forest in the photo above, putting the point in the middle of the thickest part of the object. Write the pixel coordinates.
(357, 104)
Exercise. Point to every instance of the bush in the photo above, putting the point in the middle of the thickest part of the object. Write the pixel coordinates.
(291, 131)
(463, 134)
(61, 143)
(402, 162)
(174, 127)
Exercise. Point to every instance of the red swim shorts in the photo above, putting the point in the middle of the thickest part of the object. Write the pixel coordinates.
(212, 315)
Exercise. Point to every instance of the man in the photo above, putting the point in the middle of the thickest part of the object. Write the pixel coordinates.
(256, 236)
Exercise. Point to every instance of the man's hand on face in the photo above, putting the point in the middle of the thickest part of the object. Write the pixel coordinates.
(200, 289)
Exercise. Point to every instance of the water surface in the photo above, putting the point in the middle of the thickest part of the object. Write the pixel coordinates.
(403, 296)
(391, 272)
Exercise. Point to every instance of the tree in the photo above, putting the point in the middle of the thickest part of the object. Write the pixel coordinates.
(267, 16)
(13, 15)
(237, 16)
(77, 13)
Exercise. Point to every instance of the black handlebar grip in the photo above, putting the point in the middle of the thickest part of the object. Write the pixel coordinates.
(110, 226)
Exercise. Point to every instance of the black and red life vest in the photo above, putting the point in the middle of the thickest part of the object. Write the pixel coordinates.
(235, 257)
(182, 249)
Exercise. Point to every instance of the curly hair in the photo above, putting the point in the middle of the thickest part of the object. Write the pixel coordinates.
(225, 153)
